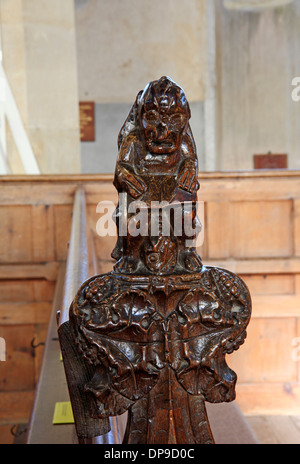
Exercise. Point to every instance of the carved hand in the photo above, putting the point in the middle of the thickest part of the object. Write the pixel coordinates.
(188, 177)
(134, 185)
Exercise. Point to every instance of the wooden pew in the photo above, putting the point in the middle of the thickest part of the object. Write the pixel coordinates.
(53, 388)
(80, 265)
(263, 209)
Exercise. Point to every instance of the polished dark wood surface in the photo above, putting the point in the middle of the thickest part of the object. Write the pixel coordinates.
(152, 335)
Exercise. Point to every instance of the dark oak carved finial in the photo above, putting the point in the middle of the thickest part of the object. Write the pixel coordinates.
(154, 332)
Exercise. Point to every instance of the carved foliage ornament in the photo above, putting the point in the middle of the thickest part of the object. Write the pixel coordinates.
(156, 329)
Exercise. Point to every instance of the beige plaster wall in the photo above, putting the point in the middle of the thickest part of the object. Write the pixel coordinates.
(258, 55)
(236, 66)
(13, 47)
(124, 44)
(39, 57)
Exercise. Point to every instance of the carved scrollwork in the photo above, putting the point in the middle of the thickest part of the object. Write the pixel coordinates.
(131, 335)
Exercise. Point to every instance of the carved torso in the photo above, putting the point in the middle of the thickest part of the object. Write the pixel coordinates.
(154, 170)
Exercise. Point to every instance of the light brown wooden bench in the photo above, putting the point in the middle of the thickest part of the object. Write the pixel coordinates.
(227, 422)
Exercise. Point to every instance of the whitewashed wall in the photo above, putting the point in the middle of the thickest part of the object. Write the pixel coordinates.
(124, 44)
(258, 54)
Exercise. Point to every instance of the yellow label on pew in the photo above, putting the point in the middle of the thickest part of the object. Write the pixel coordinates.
(63, 413)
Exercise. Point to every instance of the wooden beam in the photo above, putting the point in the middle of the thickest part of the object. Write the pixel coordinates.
(16, 405)
(51, 387)
(276, 306)
(284, 173)
(25, 313)
(48, 271)
(78, 271)
(287, 265)
(269, 398)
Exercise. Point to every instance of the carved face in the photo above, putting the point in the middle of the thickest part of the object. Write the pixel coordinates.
(164, 117)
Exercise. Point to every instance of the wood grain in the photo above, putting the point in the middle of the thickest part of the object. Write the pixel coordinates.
(259, 208)
(276, 430)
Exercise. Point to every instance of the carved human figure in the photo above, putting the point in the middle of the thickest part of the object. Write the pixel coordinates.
(158, 162)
